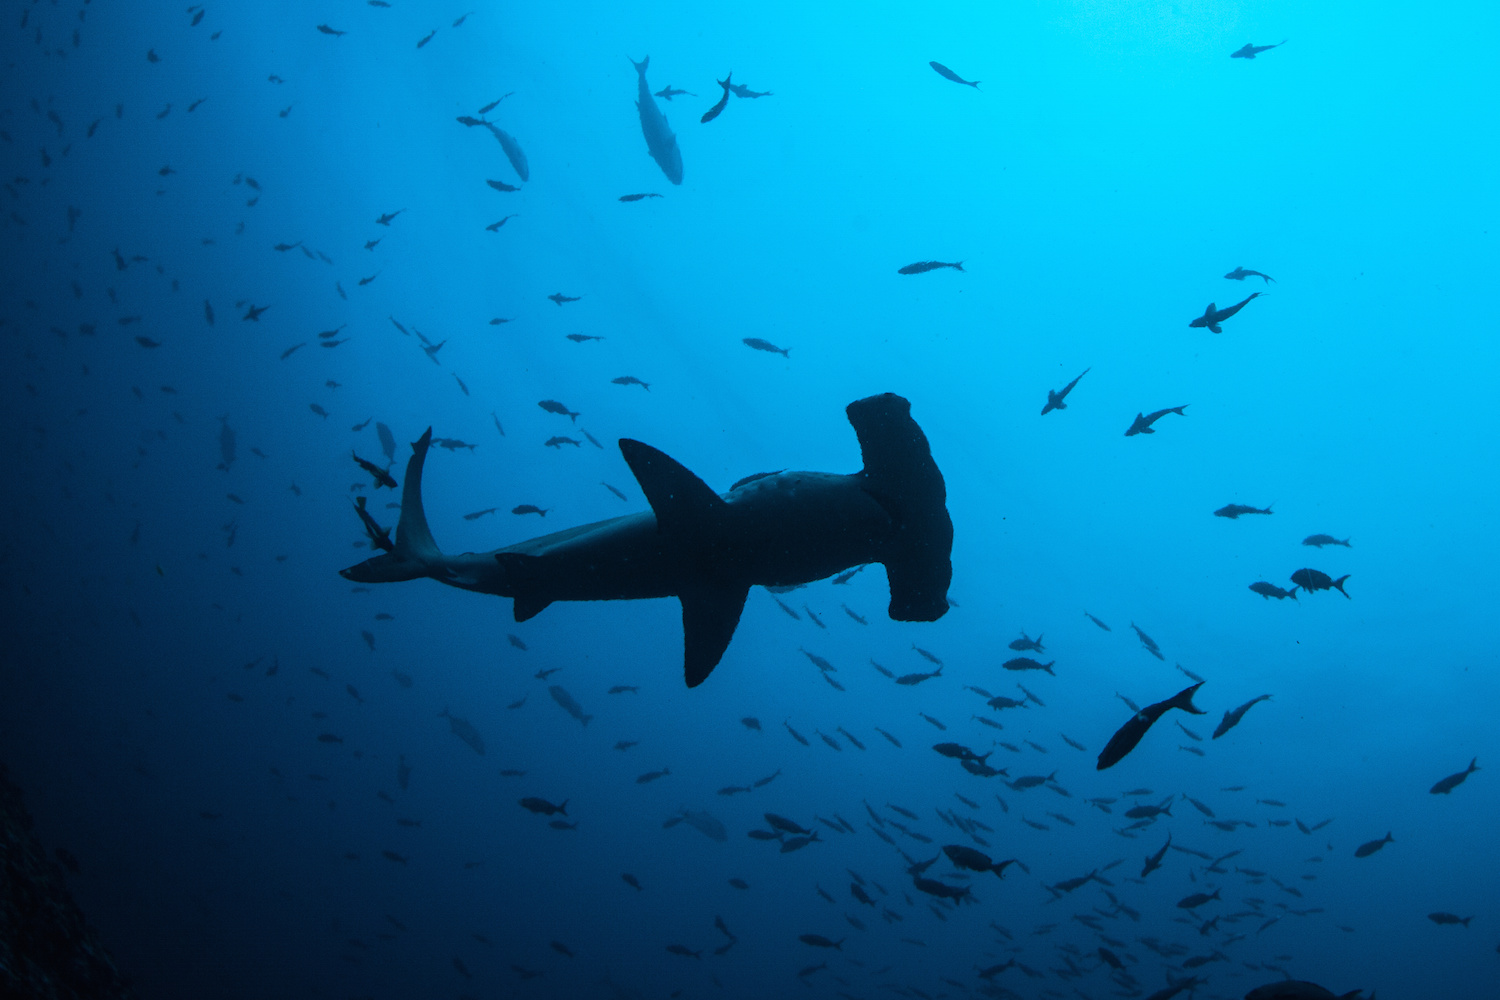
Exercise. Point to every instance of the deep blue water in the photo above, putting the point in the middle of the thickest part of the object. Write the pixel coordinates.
(177, 637)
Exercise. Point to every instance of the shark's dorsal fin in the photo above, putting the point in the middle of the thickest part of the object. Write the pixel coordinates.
(681, 501)
(710, 615)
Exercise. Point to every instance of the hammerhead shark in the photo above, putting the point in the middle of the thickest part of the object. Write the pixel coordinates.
(774, 529)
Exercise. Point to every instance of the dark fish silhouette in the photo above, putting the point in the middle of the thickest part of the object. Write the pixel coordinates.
(1248, 51)
(560, 298)
(638, 197)
(1056, 400)
(1269, 590)
(740, 90)
(948, 74)
(1127, 736)
(1142, 423)
(512, 151)
(1233, 510)
(922, 266)
(1213, 316)
(1233, 716)
(667, 93)
(1318, 541)
(1454, 780)
(1312, 579)
(718, 108)
(1240, 274)
(766, 345)
(382, 477)
(1370, 847)
(660, 142)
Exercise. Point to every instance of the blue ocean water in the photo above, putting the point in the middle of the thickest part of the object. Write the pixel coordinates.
(178, 639)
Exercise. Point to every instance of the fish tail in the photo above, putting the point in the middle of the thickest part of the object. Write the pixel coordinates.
(642, 66)
(415, 554)
(959, 266)
(1184, 700)
(564, 807)
(1293, 592)
(1339, 585)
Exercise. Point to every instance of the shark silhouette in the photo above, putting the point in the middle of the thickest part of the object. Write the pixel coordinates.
(708, 549)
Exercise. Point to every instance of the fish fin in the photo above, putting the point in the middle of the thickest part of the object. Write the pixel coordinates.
(901, 476)
(1184, 700)
(709, 617)
(1215, 328)
(680, 500)
(415, 554)
(520, 576)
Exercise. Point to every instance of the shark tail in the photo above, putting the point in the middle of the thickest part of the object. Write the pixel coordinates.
(642, 66)
(415, 554)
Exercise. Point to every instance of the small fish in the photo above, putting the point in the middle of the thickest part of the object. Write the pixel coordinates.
(1370, 847)
(723, 102)
(1454, 780)
(1125, 739)
(1270, 590)
(948, 74)
(644, 194)
(631, 380)
(560, 298)
(651, 776)
(1318, 541)
(1233, 716)
(542, 807)
(527, 508)
(1233, 511)
(1142, 423)
(923, 266)
(1448, 918)
(1312, 580)
(1213, 316)
(1097, 622)
(553, 406)
(765, 345)
(1240, 274)
(1248, 51)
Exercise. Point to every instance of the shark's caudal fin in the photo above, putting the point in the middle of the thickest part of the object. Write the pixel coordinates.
(415, 554)
(903, 478)
(686, 506)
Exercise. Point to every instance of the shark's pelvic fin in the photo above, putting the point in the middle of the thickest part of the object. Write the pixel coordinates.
(415, 552)
(902, 477)
(520, 572)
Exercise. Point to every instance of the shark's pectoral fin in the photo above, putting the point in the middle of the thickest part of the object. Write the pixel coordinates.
(710, 615)
(521, 579)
